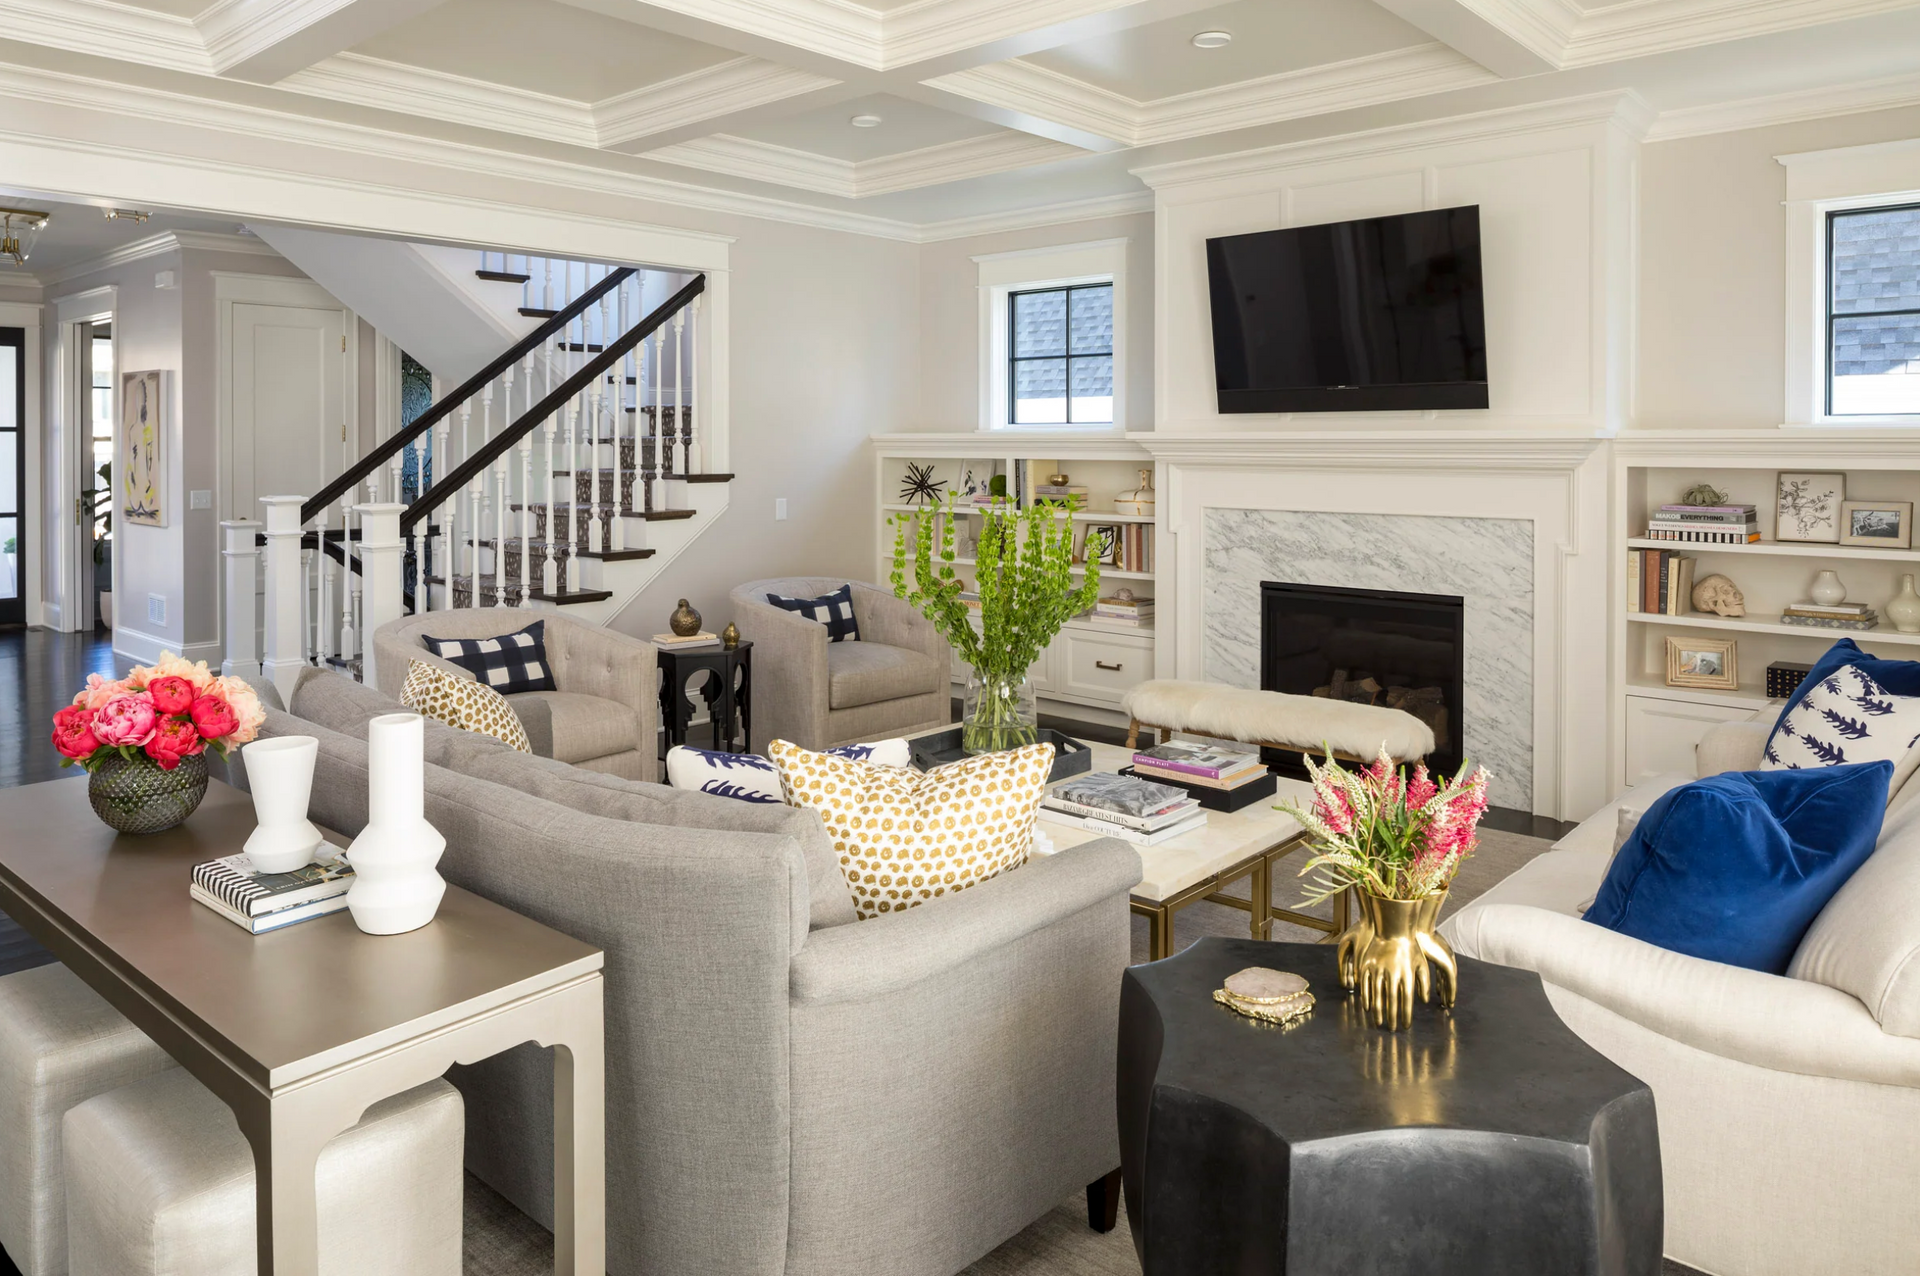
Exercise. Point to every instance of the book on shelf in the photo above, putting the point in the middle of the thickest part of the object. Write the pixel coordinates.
(1678, 510)
(235, 882)
(1205, 760)
(675, 642)
(1124, 606)
(1704, 533)
(1868, 621)
(278, 919)
(1138, 625)
(1659, 582)
(1839, 611)
(1122, 794)
(1056, 489)
(1111, 828)
(1154, 822)
(1232, 780)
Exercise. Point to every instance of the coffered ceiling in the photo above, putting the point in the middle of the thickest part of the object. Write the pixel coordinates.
(916, 112)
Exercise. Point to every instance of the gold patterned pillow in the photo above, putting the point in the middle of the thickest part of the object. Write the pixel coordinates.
(464, 703)
(906, 837)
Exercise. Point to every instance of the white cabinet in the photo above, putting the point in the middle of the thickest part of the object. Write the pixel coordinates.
(1100, 667)
(1662, 733)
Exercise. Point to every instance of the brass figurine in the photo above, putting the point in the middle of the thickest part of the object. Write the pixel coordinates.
(1390, 956)
(730, 636)
(685, 621)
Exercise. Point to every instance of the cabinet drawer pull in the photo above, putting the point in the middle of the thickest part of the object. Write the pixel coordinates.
(1101, 664)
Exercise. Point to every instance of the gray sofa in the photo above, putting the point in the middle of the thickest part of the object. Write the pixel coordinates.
(788, 1091)
(897, 680)
(604, 713)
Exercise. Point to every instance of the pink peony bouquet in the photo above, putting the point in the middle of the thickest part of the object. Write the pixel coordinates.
(164, 712)
(1391, 834)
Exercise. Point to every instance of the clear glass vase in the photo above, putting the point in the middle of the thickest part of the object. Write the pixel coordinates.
(1000, 713)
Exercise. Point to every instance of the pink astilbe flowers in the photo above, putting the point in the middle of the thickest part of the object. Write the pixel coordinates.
(1390, 833)
(170, 710)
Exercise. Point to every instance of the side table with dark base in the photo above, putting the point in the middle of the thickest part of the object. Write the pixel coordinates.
(1485, 1141)
(728, 693)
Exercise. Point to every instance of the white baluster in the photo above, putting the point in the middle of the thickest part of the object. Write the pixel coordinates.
(382, 558)
(242, 555)
(286, 590)
(596, 521)
(573, 493)
(662, 436)
(526, 518)
(323, 593)
(547, 265)
(695, 462)
(549, 576)
(679, 382)
(500, 532)
(473, 539)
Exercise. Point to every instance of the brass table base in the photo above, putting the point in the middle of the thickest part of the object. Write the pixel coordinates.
(1258, 870)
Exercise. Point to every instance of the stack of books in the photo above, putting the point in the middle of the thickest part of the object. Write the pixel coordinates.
(1659, 581)
(1831, 616)
(1134, 613)
(1136, 548)
(1130, 809)
(674, 642)
(1203, 764)
(1061, 493)
(260, 902)
(1705, 524)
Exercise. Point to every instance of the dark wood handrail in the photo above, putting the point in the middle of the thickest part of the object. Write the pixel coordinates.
(358, 471)
(497, 446)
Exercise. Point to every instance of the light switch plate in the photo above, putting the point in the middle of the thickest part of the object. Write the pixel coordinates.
(200, 498)
(779, 509)
(157, 609)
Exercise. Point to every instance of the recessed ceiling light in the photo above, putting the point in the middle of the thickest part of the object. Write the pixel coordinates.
(865, 121)
(1213, 39)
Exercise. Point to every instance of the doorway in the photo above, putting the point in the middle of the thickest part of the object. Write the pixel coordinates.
(14, 538)
(95, 513)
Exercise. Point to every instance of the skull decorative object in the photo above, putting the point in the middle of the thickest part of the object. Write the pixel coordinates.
(1720, 596)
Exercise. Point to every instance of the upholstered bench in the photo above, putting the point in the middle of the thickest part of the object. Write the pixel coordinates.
(160, 1182)
(1302, 724)
(60, 1045)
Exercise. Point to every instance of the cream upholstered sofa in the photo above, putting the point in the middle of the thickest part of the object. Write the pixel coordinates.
(897, 680)
(1789, 1106)
(604, 714)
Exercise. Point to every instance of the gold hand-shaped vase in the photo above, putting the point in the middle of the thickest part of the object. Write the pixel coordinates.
(1392, 953)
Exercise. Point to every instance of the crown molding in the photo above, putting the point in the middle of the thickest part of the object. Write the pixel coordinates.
(1544, 27)
(1378, 450)
(105, 29)
(1786, 108)
(1625, 109)
(849, 179)
(738, 85)
(1019, 85)
(1640, 28)
(437, 95)
(167, 241)
(234, 30)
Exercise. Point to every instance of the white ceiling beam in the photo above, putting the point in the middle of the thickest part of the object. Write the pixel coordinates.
(717, 99)
(267, 40)
(1511, 38)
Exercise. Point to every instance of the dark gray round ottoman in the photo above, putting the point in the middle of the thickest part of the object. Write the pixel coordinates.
(1485, 1141)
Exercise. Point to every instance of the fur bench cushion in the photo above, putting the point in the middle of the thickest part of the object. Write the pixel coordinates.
(1310, 723)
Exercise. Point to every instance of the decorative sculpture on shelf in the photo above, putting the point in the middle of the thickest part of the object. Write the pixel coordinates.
(1703, 494)
(920, 485)
(685, 621)
(1719, 595)
(730, 637)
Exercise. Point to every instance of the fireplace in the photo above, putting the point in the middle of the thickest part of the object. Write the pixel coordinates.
(1372, 646)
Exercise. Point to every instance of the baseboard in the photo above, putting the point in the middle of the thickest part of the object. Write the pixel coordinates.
(143, 648)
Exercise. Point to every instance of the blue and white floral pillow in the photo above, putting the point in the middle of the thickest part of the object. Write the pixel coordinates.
(1847, 717)
(748, 777)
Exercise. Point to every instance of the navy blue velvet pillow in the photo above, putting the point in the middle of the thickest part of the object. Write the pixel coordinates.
(1735, 867)
(1902, 677)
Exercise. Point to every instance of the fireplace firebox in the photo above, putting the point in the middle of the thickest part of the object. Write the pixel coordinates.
(1372, 646)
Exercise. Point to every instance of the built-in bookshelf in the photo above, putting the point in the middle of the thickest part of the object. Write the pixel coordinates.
(1659, 725)
(1092, 663)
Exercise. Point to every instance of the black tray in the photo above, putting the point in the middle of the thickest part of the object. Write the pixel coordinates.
(1212, 799)
(1070, 757)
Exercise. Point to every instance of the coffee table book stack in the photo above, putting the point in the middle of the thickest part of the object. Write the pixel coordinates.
(1217, 777)
(1133, 810)
(260, 902)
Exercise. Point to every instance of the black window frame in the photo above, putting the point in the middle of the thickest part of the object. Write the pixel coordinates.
(1833, 317)
(1066, 355)
(13, 345)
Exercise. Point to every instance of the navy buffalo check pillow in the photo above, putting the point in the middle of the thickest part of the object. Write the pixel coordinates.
(834, 610)
(510, 663)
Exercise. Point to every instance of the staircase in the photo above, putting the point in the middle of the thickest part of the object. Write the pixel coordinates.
(565, 472)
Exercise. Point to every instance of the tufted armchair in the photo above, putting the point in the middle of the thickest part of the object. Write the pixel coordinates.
(605, 712)
(895, 681)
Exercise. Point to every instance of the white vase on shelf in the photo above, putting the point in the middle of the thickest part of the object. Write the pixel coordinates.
(1904, 608)
(395, 885)
(1827, 589)
(280, 776)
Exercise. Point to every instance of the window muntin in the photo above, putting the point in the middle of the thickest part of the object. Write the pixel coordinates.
(1060, 355)
(1873, 312)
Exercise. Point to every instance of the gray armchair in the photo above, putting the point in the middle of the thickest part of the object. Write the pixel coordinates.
(604, 714)
(895, 681)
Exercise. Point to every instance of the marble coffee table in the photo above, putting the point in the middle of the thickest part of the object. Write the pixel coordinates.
(1199, 865)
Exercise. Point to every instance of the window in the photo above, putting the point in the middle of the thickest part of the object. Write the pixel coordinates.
(1052, 338)
(1873, 312)
(1061, 356)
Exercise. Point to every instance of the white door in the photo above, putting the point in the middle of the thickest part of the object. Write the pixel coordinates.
(290, 402)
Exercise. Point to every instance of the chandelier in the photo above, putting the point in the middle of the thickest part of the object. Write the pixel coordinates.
(18, 229)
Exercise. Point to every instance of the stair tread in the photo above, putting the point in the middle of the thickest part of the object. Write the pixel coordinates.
(503, 276)
(616, 555)
(538, 312)
(706, 478)
(575, 598)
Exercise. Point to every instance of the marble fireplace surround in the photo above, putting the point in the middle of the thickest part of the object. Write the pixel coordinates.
(1514, 523)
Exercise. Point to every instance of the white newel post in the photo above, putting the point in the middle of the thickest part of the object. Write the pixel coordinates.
(243, 598)
(381, 558)
(286, 648)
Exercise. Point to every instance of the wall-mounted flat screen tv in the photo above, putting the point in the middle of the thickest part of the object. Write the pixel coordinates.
(1383, 314)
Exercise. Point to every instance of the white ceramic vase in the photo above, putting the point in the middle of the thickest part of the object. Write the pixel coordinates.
(395, 886)
(1827, 589)
(280, 775)
(1904, 609)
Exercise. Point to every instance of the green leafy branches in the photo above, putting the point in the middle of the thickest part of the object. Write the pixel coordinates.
(1024, 574)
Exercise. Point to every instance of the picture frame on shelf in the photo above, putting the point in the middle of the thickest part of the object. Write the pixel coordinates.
(1102, 544)
(1880, 524)
(1806, 506)
(1711, 663)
